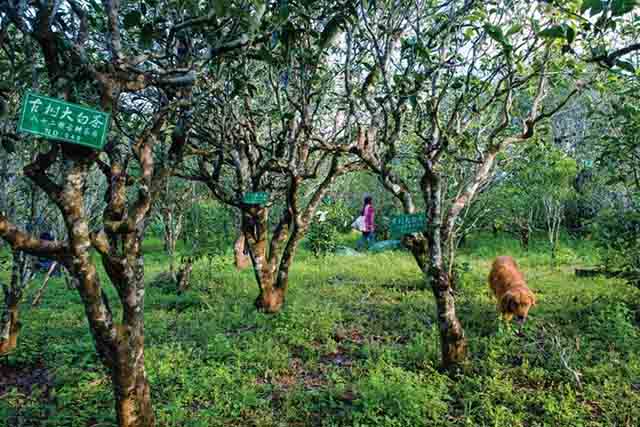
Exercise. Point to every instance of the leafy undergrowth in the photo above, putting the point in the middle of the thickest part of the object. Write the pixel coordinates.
(356, 345)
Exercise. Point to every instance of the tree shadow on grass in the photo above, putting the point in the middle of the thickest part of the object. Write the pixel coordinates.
(29, 381)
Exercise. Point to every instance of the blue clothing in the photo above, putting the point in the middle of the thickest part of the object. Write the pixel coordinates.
(367, 238)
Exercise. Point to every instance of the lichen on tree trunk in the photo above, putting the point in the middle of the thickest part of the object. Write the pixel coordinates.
(133, 403)
(119, 345)
(453, 343)
(272, 260)
(452, 338)
(131, 386)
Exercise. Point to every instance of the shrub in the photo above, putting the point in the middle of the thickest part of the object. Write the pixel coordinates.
(209, 229)
(566, 256)
(330, 220)
(338, 214)
(617, 236)
(322, 236)
(615, 321)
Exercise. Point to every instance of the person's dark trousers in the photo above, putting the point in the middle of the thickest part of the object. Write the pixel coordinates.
(366, 239)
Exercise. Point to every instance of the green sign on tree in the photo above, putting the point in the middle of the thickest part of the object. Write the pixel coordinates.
(407, 224)
(55, 119)
(259, 198)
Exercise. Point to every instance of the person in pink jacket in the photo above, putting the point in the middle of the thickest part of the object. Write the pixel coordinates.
(369, 223)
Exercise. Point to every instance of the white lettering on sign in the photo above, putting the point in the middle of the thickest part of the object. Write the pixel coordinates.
(67, 114)
(96, 122)
(83, 119)
(52, 111)
(35, 105)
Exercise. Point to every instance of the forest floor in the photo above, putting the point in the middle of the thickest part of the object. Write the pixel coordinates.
(356, 345)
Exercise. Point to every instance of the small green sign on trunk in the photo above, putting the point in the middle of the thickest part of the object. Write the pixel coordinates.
(259, 198)
(407, 224)
(55, 119)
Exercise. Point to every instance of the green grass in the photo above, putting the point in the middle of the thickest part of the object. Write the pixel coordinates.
(356, 345)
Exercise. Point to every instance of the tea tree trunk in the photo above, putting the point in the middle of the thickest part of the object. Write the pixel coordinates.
(183, 278)
(172, 230)
(119, 345)
(133, 395)
(453, 343)
(241, 259)
(21, 274)
(264, 257)
(9, 327)
(272, 260)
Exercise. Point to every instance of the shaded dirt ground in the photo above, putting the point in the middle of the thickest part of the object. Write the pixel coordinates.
(26, 378)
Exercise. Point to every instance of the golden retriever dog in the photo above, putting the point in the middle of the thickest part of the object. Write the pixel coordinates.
(508, 285)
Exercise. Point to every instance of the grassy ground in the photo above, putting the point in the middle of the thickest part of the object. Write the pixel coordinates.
(356, 345)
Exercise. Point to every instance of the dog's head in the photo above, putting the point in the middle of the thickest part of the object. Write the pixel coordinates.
(516, 303)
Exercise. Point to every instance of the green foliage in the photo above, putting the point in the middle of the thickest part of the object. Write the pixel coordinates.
(620, 7)
(392, 396)
(617, 235)
(566, 256)
(5, 262)
(496, 33)
(339, 214)
(322, 238)
(626, 65)
(357, 343)
(559, 32)
(617, 7)
(616, 320)
(615, 144)
(209, 229)
(592, 6)
(332, 218)
(616, 225)
(518, 195)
